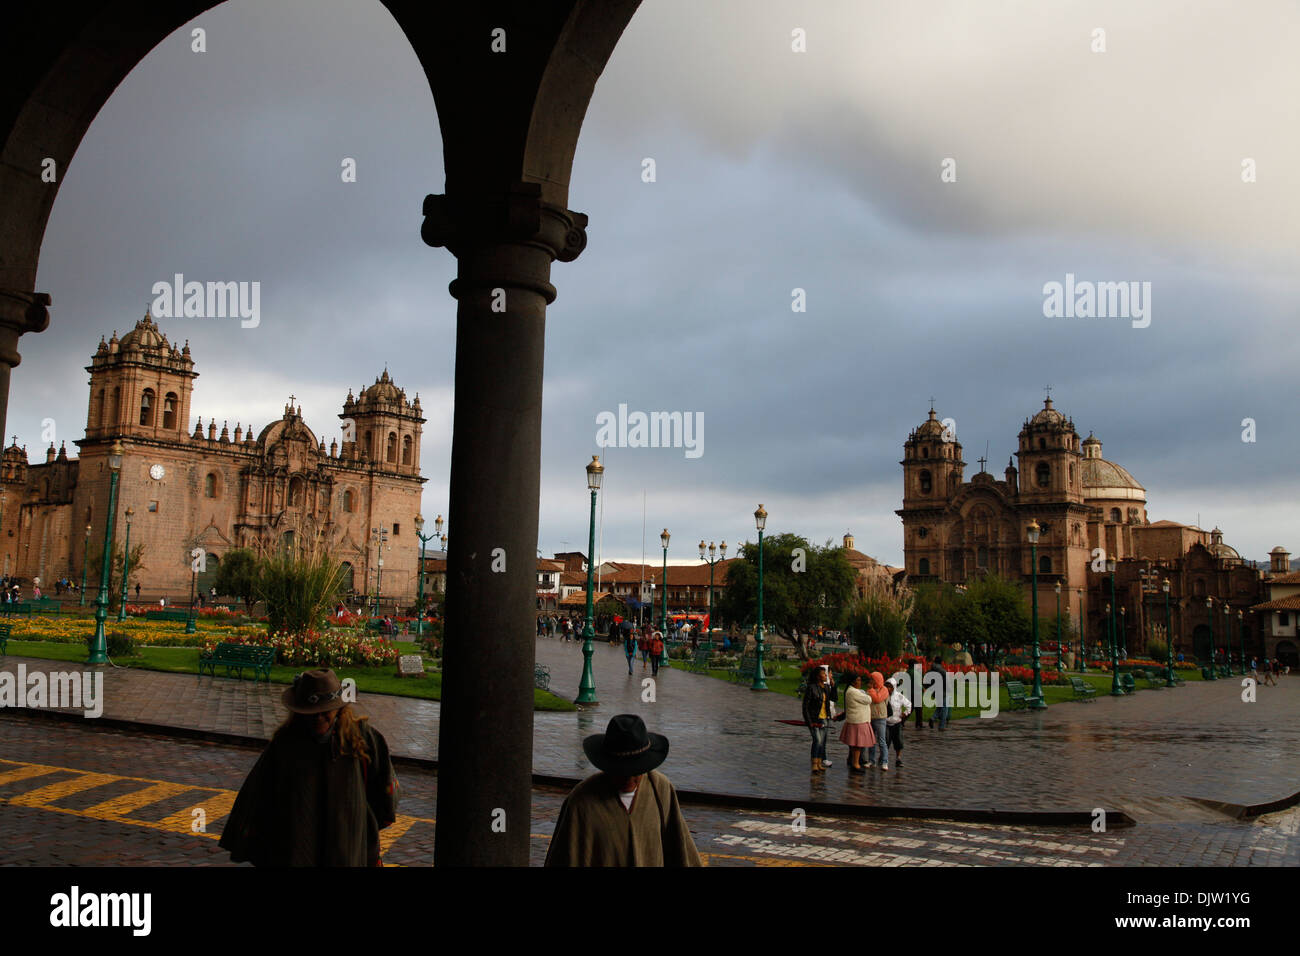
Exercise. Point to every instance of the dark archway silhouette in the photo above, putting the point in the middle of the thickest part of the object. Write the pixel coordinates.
(510, 124)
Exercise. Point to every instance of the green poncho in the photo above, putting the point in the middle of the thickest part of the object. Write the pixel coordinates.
(304, 804)
(595, 830)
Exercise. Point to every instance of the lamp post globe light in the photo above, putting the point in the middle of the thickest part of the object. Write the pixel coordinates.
(713, 558)
(1123, 633)
(760, 681)
(1115, 689)
(85, 552)
(99, 642)
(1209, 606)
(587, 686)
(1034, 531)
(424, 539)
(1169, 639)
(126, 565)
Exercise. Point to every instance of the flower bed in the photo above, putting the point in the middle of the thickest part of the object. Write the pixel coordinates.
(857, 664)
(331, 649)
(76, 630)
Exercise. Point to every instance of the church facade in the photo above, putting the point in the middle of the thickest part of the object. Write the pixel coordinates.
(211, 489)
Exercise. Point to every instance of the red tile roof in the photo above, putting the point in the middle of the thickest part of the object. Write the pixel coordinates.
(1291, 603)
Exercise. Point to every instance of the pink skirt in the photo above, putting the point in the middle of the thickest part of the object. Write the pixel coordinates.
(857, 735)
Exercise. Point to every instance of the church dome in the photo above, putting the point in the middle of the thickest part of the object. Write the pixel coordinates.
(145, 335)
(382, 391)
(1105, 479)
(930, 428)
(1048, 415)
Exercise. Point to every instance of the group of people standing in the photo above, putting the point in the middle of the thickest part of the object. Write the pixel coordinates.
(873, 719)
(649, 642)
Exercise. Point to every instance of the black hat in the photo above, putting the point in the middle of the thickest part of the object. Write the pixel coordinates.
(314, 692)
(626, 748)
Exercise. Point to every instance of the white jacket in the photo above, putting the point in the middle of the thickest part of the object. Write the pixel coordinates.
(902, 707)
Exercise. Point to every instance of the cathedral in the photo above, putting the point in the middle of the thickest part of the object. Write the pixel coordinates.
(211, 489)
(954, 529)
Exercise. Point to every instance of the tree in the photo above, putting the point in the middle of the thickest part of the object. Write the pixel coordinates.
(237, 576)
(95, 566)
(932, 603)
(989, 617)
(799, 589)
(879, 617)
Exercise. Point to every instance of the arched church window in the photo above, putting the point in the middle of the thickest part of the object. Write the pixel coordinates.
(1198, 587)
(146, 407)
(117, 405)
(926, 482)
(210, 485)
(925, 453)
(1071, 474)
(99, 410)
(923, 566)
(346, 584)
(390, 453)
(1044, 564)
(295, 493)
(1042, 443)
(1043, 474)
(169, 410)
(981, 557)
(1114, 515)
(406, 449)
(347, 501)
(368, 447)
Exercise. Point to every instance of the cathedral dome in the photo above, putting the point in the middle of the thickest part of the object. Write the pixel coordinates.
(1105, 479)
(1048, 415)
(145, 335)
(382, 391)
(930, 428)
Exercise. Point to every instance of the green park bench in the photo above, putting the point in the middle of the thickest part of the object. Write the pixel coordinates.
(1017, 696)
(744, 672)
(236, 657)
(6, 628)
(1127, 683)
(1082, 689)
(1155, 680)
(541, 677)
(167, 615)
(700, 662)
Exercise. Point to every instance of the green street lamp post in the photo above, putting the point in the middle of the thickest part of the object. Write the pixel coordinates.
(713, 559)
(1083, 646)
(1115, 689)
(1241, 621)
(760, 681)
(1060, 657)
(99, 642)
(424, 539)
(379, 536)
(1034, 531)
(663, 614)
(126, 565)
(1227, 639)
(85, 552)
(196, 556)
(1169, 639)
(587, 686)
(1209, 604)
(1123, 633)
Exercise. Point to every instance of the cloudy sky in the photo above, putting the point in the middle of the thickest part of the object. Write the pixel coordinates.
(775, 170)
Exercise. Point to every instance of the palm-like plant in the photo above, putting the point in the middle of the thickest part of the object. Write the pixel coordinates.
(300, 581)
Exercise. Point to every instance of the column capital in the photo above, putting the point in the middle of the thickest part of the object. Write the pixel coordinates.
(20, 312)
(471, 225)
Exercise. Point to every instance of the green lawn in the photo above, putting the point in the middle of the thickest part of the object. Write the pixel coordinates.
(185, 660)
(784, 677)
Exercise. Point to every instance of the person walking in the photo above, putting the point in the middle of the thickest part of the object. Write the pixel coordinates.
(898, 707)
(1270, 667)
(321, 791)
(818, 712)
(656, 652)
(643, 646)
(856, 732)
(879, 714)
(628, 813)
(940, 684)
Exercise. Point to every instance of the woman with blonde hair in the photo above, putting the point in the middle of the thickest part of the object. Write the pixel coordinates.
(321, 791)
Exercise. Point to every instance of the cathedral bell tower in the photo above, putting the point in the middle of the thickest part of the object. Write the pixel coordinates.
(1049, 454)
(932, 476)
(383, 428)
(140, 386)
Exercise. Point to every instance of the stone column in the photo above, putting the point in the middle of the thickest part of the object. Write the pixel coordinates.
(19, 312)
(504, 245)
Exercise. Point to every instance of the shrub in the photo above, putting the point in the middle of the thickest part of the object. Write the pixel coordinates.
(120, 644)
(300, 583)
(1157, 649)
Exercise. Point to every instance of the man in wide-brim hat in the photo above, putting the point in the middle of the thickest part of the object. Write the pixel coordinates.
(321, 791)
(628, 814)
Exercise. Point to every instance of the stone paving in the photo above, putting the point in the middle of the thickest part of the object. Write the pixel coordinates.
(78, 797)
(1156, 755)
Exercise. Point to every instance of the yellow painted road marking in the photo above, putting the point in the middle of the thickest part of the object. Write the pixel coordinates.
(214, 808)
(756, 860)
(24, 773)
(64, 788)
(128, 802)
(390, 835)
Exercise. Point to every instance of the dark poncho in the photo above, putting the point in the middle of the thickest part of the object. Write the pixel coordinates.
(305, 804)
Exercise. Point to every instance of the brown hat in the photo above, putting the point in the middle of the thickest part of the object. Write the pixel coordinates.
(314, 692)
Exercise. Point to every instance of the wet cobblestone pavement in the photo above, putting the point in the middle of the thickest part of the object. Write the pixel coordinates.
(1156, 755)
(70, 795)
